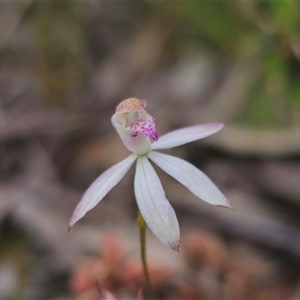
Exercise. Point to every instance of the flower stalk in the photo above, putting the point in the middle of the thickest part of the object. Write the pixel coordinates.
(142, 228)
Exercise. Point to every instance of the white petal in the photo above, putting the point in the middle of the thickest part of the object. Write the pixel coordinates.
(100, 187)
(191, 177)
(154, 205)
(186, 135)
(135, 142)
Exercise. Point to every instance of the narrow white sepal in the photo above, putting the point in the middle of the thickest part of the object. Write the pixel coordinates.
(186, 135)
(191, 177)
(100, 187)
(154, 205)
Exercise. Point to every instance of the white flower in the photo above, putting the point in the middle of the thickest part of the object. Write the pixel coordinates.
(137, 130)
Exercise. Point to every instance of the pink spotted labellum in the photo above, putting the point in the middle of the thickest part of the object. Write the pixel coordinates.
(137, 129)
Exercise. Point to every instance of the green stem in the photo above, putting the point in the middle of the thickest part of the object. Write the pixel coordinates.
(142, 227)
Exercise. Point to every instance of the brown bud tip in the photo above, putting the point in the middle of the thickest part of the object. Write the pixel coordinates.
(130, 105)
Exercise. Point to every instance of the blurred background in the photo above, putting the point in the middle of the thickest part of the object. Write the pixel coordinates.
(64, 66)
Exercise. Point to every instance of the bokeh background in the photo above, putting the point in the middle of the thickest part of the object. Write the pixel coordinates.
(64, 66)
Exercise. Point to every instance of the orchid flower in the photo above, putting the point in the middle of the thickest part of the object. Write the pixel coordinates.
(137, 129)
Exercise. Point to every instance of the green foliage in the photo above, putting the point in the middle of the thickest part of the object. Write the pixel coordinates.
(263, 30)
(266, 31)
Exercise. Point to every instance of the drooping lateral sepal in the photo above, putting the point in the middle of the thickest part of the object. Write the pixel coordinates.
(154, 205)
(100, 187)
(191, 177)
